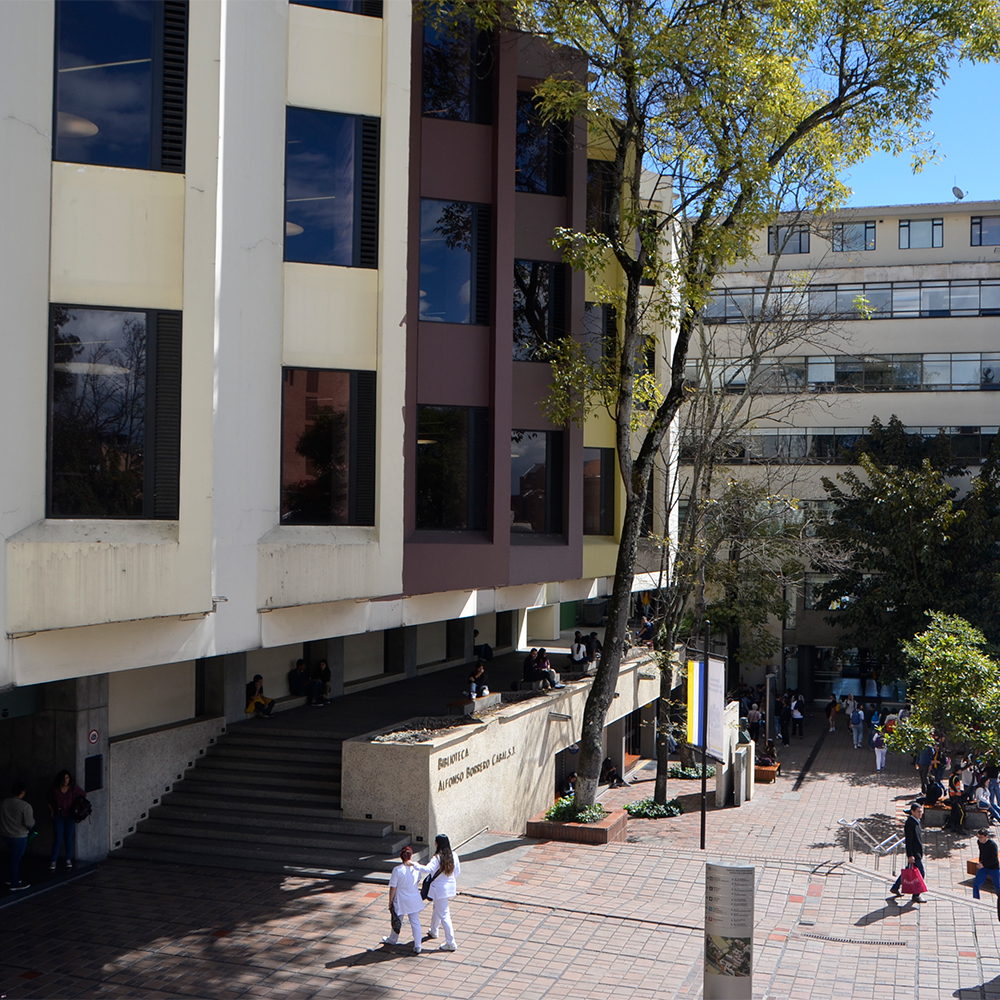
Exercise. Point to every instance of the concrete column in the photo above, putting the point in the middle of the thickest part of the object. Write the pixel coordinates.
(647, 730)
(460, 640)
(614, 743)
(331, 650)
(401, 650)
(522, 629)
(220, 686)
(544, 625)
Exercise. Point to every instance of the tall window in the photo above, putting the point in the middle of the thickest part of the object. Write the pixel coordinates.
(371, 8)
(536, 475)
(455, 255)
(114, 413)
(854, 236)
(539, 306)
(598, 491)
(599, 191)
(453, 453)
(457, 74)
(331, 188)
(787, 239)
(600, 330)
(120, 83)
(540, 151)
(985, 230)
(921, 234)
(327, 447)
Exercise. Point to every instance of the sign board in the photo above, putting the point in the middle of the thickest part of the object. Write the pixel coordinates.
(729, 891)
(94, 736)
(716, 704)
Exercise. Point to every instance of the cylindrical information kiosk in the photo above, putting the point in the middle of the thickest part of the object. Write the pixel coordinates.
(729, 891)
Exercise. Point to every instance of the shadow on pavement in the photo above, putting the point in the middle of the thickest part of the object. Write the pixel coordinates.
(985, 991)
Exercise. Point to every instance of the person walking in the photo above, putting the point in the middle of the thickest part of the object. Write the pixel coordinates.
(798, 707)
(992, 772)
(64, 793)
(914, 843)
(831, 713)
(989, 866)
(17, 820)
(923, 765)
(878, 745)
(785, 720)
(404, 897)
(858, 725)
(444, 870)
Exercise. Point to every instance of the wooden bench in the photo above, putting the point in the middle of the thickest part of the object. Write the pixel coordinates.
(765, 774)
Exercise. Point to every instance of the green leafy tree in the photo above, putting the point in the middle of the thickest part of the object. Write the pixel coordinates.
(728, 100)
(956, 690)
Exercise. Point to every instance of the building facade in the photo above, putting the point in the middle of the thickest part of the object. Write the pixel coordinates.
(892, 311)
(282, 272)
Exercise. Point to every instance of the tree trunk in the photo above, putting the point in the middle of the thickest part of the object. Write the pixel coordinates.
(602, 690)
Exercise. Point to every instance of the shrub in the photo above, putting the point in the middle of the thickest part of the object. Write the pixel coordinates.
(567, 810)
(676, 771)
(649, 809)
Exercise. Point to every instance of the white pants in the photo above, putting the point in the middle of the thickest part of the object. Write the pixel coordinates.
(441, 917)
(880, 758)
(418, 934)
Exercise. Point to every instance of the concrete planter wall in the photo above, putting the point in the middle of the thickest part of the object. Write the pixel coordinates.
(610, 830)
(497, 773)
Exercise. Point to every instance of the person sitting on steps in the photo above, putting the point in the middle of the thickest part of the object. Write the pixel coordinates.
(479, 685)
(257, 703)
(300, 683)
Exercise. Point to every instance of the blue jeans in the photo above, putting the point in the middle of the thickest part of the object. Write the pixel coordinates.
(995, 792)
(17, 847)
(918, 863)
(993, 874)
(858, 734)
(64, 828)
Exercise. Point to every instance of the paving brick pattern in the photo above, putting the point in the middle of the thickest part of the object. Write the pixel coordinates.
(565, 921)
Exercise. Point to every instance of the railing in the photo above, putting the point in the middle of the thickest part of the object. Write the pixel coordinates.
(890, 846)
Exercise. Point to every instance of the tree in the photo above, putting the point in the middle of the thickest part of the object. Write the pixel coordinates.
(956, 690)
(726, 98)
(912, 545)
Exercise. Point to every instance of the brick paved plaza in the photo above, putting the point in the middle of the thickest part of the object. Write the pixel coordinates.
(559, 922)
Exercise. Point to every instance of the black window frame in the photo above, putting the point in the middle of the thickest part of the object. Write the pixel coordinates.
(477, 471)
(976, 230)
(792, 244)
(555, 309)
(600, 174)
(365, 191)
(162, 415)
(555, 493)
(168, 107)
(837, 241)
(937, 233)
(606, 335)
(606, 515)
(362, 439)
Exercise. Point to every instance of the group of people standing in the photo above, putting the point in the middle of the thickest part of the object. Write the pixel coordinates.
(440, 875)
(17, 823)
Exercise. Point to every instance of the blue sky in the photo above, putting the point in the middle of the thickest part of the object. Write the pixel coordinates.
(966, 127)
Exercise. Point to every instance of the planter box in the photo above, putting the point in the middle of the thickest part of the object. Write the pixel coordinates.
(610, 830)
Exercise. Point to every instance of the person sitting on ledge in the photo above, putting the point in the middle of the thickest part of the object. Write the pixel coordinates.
(609, 773)
(578, 652)
(544, 671)
(479, 685)
(257, 704)
(300, 683)
(569, 785)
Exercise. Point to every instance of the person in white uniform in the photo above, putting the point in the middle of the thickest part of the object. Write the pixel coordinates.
(445, 869)
(404, 897)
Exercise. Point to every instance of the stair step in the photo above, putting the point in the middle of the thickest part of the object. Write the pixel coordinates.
(260, 731)
(326, 823)
(276, 782)
(238, 833)
(179, 848)
(255, 752)
(209, 798)
(278, 742)
(365, 873)
(266, 765)
(324, 797)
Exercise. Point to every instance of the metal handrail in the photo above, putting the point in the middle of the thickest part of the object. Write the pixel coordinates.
(880, 848)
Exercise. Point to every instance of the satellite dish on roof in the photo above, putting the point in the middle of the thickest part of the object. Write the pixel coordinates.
(958, 193)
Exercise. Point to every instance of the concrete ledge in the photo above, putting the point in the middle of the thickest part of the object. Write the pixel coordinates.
(934, 816)
(610, 830)
(469, 706)
(976, 820)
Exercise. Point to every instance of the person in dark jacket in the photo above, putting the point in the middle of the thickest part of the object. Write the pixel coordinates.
(257, 702)
(64, 792)
(300, 683)
(914, 842)
(923, 765)
(989, 866)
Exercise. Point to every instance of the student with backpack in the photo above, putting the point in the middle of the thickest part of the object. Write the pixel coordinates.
(858, 725)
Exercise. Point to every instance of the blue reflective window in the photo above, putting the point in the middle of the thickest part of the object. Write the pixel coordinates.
(331, 188)
(455, 245)
(372, 8)
(104, 82)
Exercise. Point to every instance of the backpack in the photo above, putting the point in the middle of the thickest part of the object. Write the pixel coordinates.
(857, 718)
(80, 809)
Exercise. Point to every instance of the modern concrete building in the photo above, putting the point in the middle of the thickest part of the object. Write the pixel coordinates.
(896, 308)
(274, 280)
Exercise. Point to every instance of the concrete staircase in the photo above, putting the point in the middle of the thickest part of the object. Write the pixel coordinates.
(266, 800)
